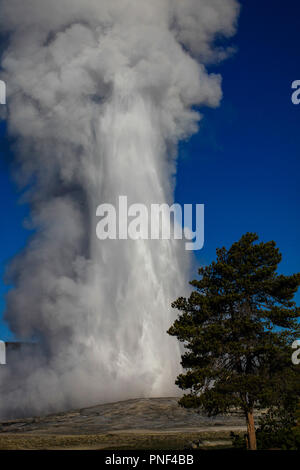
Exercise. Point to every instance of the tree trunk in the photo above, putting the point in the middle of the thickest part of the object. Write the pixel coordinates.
(251, 430)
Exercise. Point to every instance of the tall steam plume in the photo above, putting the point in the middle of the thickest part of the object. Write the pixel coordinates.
(99, 94)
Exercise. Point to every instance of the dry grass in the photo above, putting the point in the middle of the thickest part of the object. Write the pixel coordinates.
(113, 441)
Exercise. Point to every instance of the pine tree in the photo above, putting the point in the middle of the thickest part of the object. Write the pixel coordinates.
(237, 327)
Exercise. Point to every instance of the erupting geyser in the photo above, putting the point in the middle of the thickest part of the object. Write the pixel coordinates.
(99, 93)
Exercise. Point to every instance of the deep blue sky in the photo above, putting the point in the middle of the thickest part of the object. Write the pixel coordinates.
(244, 163)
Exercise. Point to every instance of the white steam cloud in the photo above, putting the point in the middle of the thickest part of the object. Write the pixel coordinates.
(99, 94)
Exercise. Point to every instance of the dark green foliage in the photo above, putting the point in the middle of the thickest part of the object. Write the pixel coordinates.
(238, 442)
(279, 429)
(237, 327)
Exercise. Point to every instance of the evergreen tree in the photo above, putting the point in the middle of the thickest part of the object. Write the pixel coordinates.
(237, 327)
(279, 428)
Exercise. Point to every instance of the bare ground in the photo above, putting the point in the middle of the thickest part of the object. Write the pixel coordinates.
(148, 423)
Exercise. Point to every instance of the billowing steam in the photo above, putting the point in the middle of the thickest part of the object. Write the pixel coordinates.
(99, 94)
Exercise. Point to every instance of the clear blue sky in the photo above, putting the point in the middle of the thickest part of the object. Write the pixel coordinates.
(244, 164)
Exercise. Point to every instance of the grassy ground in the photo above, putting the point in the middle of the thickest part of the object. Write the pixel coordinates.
(141, 423)
(115, 441)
